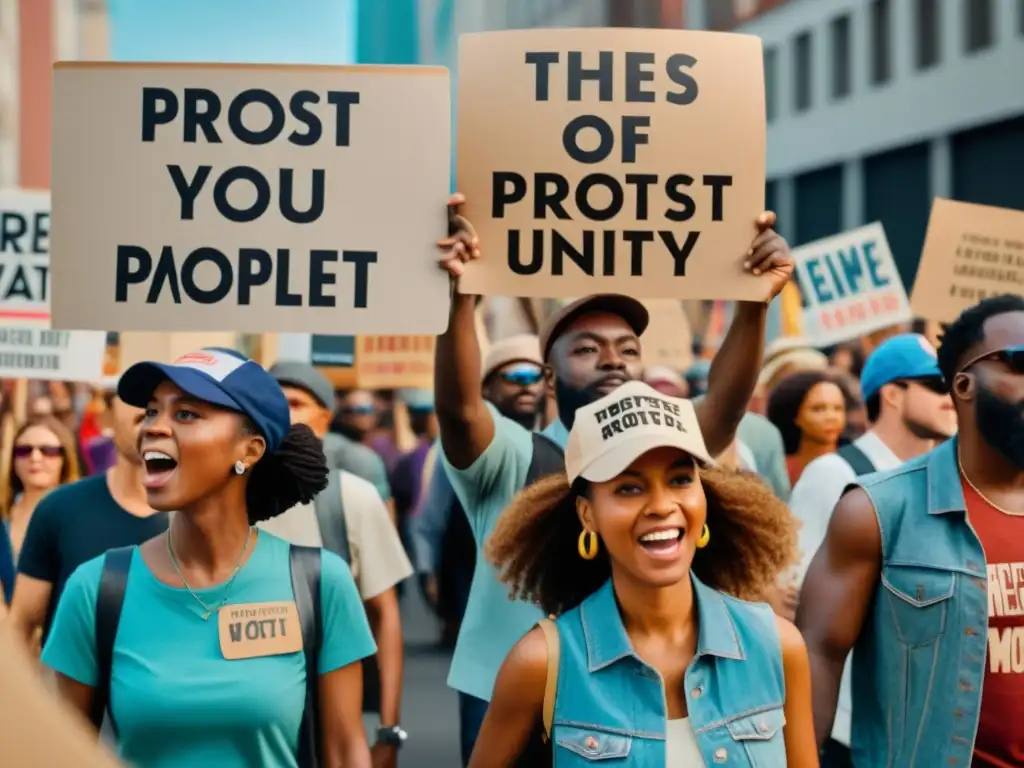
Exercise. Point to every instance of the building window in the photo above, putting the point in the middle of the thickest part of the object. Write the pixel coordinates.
(802, 72)
(928, 33)
(841, 57)
(881, 56)
(978, 29)
(770, 83)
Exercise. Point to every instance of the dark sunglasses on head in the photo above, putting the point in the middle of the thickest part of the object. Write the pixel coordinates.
(1011, 357)
(49, 451)
(934, 384)
(522, 378)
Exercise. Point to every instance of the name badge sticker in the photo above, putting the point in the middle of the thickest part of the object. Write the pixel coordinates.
(253, 630)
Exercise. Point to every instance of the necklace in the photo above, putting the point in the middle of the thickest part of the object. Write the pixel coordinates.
(977, 490)
(207, 610)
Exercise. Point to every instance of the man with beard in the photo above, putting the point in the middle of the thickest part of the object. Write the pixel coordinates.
(589, 348)
(513, 383)
(910, 410)
(922, 571)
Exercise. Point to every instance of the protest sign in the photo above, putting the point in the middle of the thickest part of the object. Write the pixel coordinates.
(395, 362)
(970, 252)
(335, 351)
(668, 340)
(849, 285)
(167, 347)
(250, 197)
(29, 348)
(612, 160)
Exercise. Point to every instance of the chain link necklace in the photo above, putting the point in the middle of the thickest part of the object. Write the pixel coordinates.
(207, 610)
(977, 490)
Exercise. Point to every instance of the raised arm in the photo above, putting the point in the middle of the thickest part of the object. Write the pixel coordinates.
(467, 427)
(734, 370)
(836, 597)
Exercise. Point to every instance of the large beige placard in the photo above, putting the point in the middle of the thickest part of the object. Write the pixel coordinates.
(970, 252)
(612, 160)
(321, 200)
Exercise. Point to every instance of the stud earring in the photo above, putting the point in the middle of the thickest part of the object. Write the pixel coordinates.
(239, 467)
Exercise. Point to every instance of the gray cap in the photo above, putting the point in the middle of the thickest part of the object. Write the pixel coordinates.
(305, 376)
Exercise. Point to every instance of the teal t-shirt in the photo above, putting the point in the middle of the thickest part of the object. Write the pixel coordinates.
(493, 622)
(175, 699)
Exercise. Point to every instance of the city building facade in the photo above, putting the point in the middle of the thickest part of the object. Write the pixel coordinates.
(875, 107)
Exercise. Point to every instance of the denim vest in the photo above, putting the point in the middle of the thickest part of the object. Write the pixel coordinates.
(919, 662)
(610, 706)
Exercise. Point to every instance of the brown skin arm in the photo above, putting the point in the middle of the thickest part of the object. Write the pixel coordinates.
(75, 694)
(467, 427)
(836, 598)
(386, 623)
(28, 608)
(732, 377)
(516, 706)
(341, 718)
(801, 750)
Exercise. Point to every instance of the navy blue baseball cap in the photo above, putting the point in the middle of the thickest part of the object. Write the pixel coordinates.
(898, 358)
(221, 377)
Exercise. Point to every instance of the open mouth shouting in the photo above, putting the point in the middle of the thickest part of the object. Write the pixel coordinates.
(663, 543)
(158, 468)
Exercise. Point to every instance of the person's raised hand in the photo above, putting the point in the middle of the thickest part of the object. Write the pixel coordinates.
(769, 255)
(462, 244)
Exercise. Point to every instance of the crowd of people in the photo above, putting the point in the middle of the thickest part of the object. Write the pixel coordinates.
(783, 556)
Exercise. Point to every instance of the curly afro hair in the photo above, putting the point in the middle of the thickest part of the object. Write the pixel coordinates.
(533, 546)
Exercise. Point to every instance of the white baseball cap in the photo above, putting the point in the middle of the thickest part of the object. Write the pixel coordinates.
(613, 432)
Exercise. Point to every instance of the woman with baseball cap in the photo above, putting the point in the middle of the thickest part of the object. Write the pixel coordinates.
(208, 664)
(646, 553)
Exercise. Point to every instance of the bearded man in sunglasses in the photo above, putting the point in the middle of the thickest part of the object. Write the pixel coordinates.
(910, 412)
(922, 575)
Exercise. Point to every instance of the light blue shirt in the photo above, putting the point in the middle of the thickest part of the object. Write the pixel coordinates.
(175, 699)
(493, 622)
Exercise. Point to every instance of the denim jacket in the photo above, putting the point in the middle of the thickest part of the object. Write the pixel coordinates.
(919, 662)
(610, 706)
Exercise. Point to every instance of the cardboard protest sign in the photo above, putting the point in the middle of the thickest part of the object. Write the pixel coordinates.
(970, 252)
(36, 730)
(850, 286)
(338, 351)
(612, 160)
(167, 347)
(28, 347)
(250, 197)
(667, 340)
(395, 362)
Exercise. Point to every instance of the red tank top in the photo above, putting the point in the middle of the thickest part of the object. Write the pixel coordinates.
(1000, 740)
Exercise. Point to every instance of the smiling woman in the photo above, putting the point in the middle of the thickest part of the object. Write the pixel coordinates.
(218, 450)
(654, 658)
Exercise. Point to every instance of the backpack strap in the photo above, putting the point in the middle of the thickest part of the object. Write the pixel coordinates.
(856, 458)
(550, 631)
(305, 568)
(548, 459)
(109, 602)
(330, 516)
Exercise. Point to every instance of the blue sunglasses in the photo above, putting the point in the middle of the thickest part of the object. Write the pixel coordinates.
(522, 377)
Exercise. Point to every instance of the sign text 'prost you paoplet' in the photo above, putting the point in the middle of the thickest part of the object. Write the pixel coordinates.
(850, 286)
(250, 197)
(612, 160)
(29, 347)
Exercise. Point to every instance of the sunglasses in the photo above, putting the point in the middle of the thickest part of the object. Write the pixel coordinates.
(934, 384)
(522, 378)
(49, 451)
(1011, 357)
(359, 410)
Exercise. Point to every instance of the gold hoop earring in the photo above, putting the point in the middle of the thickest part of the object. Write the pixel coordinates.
(705, 537)
(587, 545)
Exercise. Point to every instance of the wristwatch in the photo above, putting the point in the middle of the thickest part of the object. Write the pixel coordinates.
(393, 736)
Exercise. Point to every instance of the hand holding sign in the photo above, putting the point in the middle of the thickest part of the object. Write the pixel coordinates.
(462, 245)
(769, 255)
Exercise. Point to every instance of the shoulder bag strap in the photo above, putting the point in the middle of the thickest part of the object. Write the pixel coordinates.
(305, 568)
(109, 602)
(551, 684)
(857, 459)
(329, 505)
